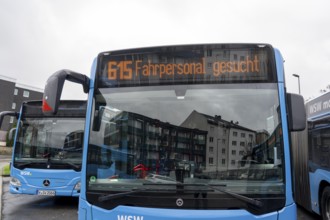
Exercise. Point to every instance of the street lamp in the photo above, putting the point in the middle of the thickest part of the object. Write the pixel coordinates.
(217, 163)
(296, 75)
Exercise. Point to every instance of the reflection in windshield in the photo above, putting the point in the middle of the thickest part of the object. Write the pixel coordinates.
(231, 137)
(52, 142)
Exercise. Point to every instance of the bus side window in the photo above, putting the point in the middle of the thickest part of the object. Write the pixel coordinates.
(324, 150)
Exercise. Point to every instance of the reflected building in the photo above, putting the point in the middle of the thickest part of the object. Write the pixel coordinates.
(157, 145)
(202, 143)
(268, 149)
(227, 142)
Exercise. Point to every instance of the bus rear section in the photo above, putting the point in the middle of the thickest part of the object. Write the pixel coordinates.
(187, 132)
(47, 154)
(311, 155)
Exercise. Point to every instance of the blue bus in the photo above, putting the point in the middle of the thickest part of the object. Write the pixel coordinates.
(47, 151)
(311, 158)
(186, 132)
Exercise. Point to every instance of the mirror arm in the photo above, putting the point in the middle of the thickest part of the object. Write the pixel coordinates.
(78, 78)
(9, 113)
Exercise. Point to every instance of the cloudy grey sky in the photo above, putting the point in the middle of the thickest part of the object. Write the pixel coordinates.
(39, 37)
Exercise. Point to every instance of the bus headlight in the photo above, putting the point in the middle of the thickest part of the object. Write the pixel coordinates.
(77, 186)
(15, 182)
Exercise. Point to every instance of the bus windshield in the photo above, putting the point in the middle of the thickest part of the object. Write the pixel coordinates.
(186, 122)
(49, 142)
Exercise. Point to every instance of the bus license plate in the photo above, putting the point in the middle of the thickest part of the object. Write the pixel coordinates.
(46, 192)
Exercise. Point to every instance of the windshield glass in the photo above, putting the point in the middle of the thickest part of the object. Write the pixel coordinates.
(53, 143)
(182, 139)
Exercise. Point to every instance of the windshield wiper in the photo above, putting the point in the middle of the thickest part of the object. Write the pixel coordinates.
(118, 195)
(249, 200)
(48, 164)
(24, 165)
(240, 197)
(72, 165)
(133, 191)
(27, 164)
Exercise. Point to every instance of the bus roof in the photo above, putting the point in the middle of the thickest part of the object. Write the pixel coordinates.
(318, 107)
(67, 108)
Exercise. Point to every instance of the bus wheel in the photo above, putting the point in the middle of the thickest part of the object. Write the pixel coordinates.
(325, 203)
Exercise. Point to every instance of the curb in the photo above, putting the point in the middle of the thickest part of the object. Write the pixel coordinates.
(1, 193)
(2, 165)
(4, 160)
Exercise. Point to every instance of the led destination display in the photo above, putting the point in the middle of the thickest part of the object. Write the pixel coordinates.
(188, 65)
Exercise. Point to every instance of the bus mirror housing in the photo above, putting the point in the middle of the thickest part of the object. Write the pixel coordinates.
(7, 113)
(54, 87)
(12, 133)
(296, 112)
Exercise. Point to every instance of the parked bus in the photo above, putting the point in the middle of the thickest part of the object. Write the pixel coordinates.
(167, 126)
(311, 154)
(47, 151)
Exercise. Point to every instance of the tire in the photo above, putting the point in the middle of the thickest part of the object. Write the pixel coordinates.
(325, 203)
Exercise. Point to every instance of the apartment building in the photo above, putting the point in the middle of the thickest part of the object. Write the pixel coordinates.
(12, 94)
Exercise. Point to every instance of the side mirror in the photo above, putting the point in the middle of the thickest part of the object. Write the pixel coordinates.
(7, 113)
(296, 112)
(54, 87)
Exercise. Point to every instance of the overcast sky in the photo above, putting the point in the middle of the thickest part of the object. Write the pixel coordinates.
(40, 37)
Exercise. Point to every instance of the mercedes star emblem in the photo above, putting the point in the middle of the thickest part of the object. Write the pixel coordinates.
(179, 202)
(46, 182)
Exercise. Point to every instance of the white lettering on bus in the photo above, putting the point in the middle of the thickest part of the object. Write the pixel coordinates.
(315, 107)
(26, 173)
(129, 217)
(326, 104)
